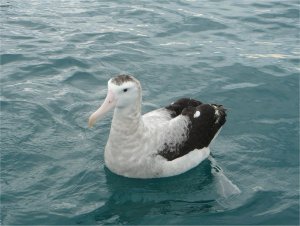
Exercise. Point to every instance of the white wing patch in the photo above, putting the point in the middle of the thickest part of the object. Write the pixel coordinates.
(197, 114)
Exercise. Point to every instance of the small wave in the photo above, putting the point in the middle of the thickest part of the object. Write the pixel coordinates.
(82, 80)
(69, 61)
(276, 121)
(194, 25)
(10, 57)
(240, 85)
(174, 43)
(270, 55)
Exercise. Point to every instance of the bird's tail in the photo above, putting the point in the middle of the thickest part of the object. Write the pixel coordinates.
(220, 114)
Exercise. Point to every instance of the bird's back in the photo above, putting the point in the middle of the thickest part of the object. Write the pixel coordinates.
(184, 126)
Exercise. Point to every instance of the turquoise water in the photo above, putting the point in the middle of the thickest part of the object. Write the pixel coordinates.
(56, 57)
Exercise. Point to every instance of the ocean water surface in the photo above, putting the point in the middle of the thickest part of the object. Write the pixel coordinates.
(56, 58)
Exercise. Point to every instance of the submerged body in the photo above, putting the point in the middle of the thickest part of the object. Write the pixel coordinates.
(165, 142)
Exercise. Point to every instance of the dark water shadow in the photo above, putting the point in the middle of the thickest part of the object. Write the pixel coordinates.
(133, 200)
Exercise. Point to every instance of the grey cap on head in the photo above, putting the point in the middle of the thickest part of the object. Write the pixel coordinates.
(120, 79)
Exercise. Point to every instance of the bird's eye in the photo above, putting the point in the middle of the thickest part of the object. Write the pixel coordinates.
(125, 90)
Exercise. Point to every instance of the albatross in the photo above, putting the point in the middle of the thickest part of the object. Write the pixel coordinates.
(165, 142)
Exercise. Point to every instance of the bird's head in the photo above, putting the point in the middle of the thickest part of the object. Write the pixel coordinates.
(123, 93)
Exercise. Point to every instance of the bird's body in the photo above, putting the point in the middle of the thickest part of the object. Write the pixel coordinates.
(164, 142)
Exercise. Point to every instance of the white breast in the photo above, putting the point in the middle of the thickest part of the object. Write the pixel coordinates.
(136, 154)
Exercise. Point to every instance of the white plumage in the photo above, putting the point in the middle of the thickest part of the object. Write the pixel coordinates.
(138, 144)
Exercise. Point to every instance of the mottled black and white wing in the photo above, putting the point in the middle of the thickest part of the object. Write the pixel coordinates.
(203, 123)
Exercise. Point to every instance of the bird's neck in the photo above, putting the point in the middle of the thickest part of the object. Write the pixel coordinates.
(127, 121)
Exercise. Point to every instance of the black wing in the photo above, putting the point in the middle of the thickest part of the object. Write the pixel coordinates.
(178, 106)
(205, 122)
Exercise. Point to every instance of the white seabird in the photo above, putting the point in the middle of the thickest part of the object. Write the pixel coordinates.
(164, 142)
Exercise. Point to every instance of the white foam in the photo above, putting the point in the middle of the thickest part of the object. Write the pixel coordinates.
(225, 187)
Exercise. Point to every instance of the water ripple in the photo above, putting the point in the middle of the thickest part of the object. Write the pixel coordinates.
(55, 62)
